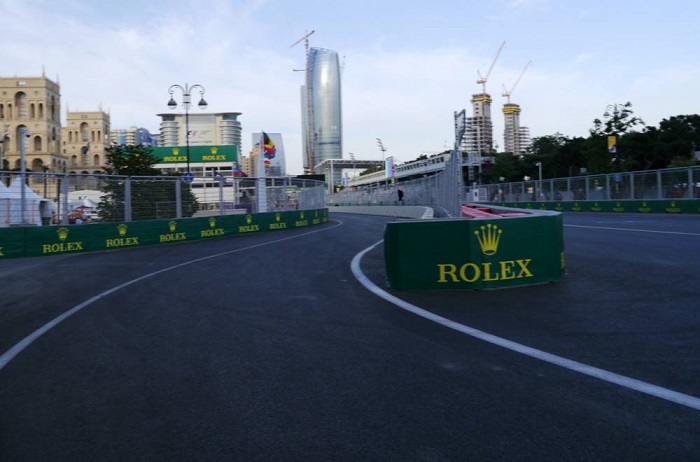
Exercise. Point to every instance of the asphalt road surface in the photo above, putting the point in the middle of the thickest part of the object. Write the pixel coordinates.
(276, 347)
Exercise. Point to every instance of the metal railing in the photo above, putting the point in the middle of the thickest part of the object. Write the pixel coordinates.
(438, 190)
(442, 191)
(53, 198)
(672, 183)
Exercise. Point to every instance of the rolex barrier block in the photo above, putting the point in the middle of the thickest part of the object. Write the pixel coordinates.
(34, 241)
(513, 248)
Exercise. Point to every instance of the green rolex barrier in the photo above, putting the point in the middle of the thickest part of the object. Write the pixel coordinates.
(459, 254)
(685, 206)
(32, 241)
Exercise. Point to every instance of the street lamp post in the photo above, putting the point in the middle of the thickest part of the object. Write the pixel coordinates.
(539, 165)
(23, 133)
(383, 149)
(186, 103)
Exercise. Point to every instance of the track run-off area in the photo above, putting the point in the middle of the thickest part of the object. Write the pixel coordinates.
(289, 346)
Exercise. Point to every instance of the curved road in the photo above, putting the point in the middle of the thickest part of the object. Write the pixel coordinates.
(268, 347)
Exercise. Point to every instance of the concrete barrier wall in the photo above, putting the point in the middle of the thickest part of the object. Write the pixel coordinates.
(459, 254)
(399, 211)
(32, 241)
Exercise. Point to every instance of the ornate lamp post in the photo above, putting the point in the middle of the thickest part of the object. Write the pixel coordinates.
(186, 103)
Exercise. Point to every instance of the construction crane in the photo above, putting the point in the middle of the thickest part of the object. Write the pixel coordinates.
(507, 93)
(309, 109)
(482, 80)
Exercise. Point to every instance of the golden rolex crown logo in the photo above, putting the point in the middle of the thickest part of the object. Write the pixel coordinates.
(172, 225)
(122, 229)
(62, 233)
(248, 219)
(301, 214)
(278, 217)
(212, 222)
(488, 236)
(214, 150)
(176, 151)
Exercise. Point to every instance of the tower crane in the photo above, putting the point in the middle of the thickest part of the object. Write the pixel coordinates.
(307, 96)
(482, 80)
(507, 93)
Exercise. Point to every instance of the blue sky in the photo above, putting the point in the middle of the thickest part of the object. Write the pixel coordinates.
(407, 65)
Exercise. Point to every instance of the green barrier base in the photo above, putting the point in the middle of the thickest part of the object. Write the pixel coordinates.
(468, 254)
(33, 241)
(686, 206)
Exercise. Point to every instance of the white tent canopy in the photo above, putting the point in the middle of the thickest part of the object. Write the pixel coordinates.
(35, 206)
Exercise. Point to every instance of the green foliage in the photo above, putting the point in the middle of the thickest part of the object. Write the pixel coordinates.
(131, 161)
(673, 143)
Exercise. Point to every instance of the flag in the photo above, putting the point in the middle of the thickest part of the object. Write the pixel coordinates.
(238, 172)
(269, 146)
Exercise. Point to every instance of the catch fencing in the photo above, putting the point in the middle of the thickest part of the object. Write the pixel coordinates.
(442, 191)
(57, 198)
(672, 183)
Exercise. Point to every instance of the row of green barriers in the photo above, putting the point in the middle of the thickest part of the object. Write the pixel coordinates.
(687, 206)
(502, 248)
(33, 241)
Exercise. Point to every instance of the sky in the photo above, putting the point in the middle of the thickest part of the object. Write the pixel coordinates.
(406, 66)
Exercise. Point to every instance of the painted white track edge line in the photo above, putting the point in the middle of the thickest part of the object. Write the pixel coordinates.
(16, 349)
(621, 380)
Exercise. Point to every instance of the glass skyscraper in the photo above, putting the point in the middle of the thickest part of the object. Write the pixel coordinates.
(323, 108)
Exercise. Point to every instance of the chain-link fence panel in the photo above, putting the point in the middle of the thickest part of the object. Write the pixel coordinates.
(51, 198)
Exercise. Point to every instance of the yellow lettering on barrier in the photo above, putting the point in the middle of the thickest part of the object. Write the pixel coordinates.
(507, 270)
(278, 226)
(175, 158)
(248, 228)
(445, 270)
(172, 237)
(475, 269)
(62, 247)
(487, 272)
(1, 254)
(122, 242)
(212, 232)
(301, 223)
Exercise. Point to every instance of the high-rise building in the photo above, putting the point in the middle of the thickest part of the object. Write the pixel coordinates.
(322, 109)
(133, 136)
(33, 103)
(478, 135)
(205, 129)
(516, 138)
(85, 139)
(511, 132)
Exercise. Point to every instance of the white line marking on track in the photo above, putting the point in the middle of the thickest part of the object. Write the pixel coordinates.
(633, 230)
(627, 382)
(10, 354)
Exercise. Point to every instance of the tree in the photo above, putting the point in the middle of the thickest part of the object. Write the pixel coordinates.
(151, 197)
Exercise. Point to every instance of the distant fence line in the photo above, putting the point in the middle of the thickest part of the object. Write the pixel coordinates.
(673, 183)
(57, 198)
(441, 191)
(437, 191)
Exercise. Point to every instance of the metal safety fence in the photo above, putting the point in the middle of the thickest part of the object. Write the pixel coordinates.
(33, 198)
(673, 183)
(442, 191)
(439, 190)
